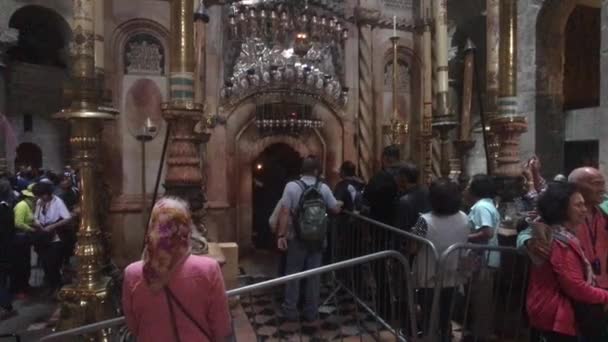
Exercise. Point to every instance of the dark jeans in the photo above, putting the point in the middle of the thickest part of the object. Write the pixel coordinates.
(300, 258)
(68, 239)
(6, 299)
(21, 263)
(555, 337)
(282, 262)
(51, 255)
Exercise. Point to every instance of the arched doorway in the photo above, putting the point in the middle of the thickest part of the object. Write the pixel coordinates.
(28, 154)
(44, 37)
(273, 168)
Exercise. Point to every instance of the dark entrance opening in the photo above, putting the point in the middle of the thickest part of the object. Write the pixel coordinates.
(274, 167)
(581, 153)
(28, 154)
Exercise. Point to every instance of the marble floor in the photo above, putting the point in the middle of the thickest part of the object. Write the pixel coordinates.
(340, 319)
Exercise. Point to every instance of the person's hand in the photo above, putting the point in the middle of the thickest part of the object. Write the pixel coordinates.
(535, 165)
(532, 214)
(527, 173)
(282, 243)
(538, 248)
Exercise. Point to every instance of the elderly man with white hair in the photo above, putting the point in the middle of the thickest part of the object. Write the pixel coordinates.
(592, 234)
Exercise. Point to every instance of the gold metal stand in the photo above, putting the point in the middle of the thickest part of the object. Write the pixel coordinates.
(396, 129)
(88, 299)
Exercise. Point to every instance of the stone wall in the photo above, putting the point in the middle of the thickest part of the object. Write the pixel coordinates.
(37, 91)
(540, 75)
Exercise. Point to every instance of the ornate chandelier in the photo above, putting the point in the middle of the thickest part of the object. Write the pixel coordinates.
(289, 23)
(285, 46)
(285, 118)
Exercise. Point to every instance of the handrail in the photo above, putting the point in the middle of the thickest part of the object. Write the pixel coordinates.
(397, 231)
(442, 270)
(90, 328)
(317, 271)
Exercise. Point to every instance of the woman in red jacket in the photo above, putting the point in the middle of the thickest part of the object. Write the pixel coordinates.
(567, 276)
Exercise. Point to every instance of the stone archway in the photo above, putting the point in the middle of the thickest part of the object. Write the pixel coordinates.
(550, 41)
(249, 147)
(244, 145)
(28, 154)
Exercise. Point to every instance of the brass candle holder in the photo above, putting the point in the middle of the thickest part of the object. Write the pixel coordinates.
(88, 299)
(396, 129)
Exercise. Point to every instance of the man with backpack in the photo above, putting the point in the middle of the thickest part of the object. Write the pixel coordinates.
(307, 202)
(349, 189)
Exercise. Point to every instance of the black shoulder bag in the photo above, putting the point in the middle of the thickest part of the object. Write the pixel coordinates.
(172, 299)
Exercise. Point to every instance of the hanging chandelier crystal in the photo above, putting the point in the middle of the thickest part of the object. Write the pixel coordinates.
(285, 118)
(290, 23)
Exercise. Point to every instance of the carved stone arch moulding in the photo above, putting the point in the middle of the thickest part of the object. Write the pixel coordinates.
(248, 147)
(145, 29)
(278, 95)
(244, 145)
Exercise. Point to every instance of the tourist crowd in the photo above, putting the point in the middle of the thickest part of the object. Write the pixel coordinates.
(37, 217)
(562, 227)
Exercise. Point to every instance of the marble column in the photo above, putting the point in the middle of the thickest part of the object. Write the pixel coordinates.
(201, 18)
(183, 177)
(492, 42)
(8, 38)
(508, 124)
(366, 19)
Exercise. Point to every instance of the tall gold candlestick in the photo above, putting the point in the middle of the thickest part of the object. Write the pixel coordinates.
(441, 44)
(397, 128)
(444, 120)
(427, 113)
(88, 299)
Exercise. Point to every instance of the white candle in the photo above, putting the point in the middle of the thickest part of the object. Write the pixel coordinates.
(394, 26)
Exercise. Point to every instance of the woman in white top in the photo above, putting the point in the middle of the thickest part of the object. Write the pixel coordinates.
(52, 215)
(444, 226)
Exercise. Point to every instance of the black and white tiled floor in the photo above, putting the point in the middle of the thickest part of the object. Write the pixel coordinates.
(339, 320)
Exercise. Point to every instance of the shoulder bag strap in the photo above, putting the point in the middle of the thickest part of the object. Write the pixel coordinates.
(172, 315)
(181, 307)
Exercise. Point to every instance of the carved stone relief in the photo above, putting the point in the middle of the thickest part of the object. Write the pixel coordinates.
(397, 5)
(144, 54)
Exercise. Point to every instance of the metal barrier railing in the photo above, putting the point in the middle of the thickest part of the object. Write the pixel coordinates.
(266, 285)
(482, 289)
(461, 274)
(354, 234)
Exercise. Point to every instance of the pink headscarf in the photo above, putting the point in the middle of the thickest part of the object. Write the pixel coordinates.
(167, 242)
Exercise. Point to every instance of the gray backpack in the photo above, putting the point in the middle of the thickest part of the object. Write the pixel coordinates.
(310, 217)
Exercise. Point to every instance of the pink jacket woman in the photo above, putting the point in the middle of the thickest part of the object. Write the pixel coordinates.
(567, 277)
(553, 283)
(172, 295)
